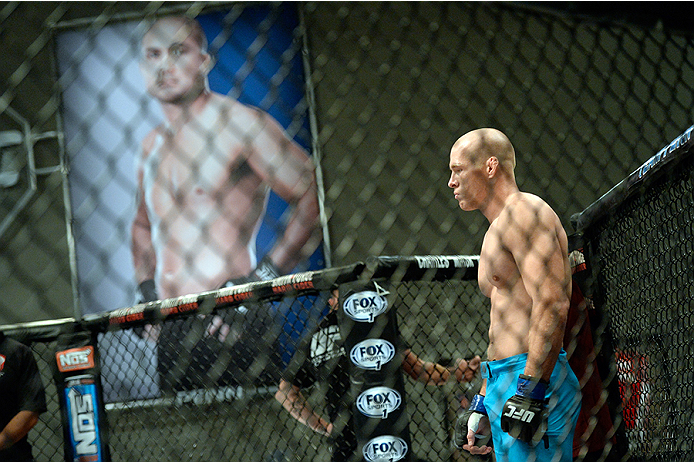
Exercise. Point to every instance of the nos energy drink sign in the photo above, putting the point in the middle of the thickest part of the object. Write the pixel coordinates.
(76, 375)
(81, 402)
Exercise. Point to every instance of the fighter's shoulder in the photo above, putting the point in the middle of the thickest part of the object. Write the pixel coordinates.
(151, 139)
(236, 109)
(14, 349)
(529, 210)
(244, 119)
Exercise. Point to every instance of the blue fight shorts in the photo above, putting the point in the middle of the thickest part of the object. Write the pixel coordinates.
(564, 395)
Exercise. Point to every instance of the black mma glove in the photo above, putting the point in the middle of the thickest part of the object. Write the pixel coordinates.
(146, 292)
(524, 416)
(265, 271)
(238, 281)
(470, 420)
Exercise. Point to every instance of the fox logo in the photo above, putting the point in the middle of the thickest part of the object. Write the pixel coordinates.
(385, 448)
(365, 306)
(378, 402)
(371, 354)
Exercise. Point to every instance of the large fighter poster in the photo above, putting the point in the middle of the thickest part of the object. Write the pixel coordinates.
(214, 181)
(190, 169)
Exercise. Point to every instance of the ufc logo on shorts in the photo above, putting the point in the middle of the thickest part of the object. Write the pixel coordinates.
(524, 415)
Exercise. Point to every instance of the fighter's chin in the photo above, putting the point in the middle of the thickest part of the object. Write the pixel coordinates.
(166, 96)
(466, 206)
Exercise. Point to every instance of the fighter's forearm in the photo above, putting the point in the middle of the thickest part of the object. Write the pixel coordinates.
(144, 260)
(301, 236)
(545, 338)
(433, 373)
(143, 263)
(293, 401)
(424, 371)
(17, 428)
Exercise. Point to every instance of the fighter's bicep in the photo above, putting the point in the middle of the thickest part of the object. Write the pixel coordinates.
(538, 253)
(542, 266)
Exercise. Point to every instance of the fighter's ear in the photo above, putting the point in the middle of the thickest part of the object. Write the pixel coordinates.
(492, 166)
(207, 63)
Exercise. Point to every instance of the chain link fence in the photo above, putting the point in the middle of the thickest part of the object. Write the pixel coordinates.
(239, 416)
(639, 236)
(373, 94)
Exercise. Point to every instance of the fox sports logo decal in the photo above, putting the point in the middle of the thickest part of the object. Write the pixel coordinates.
(371, 354)
(365, 306)
(378, 402)
(385, 449)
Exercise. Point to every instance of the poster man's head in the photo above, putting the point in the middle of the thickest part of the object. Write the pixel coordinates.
(174, 60)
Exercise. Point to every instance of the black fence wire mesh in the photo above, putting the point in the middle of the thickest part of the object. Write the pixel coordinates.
(640, 238)
(325, 142)
(238, 417)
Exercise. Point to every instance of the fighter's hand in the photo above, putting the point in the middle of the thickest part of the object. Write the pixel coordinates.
(466, 370)
(524, 416)
(472, 429)
(219, 328)
(319, 425)
(151, 332)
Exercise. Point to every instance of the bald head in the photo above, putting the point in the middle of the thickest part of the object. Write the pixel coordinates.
(177, 29)
(483, 143)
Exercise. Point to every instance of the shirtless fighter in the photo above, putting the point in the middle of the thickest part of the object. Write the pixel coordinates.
(203, 183)
(205, 175)
(529, 397)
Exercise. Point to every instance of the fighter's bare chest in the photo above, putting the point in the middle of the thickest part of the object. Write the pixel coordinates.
(497, 267)
(181, 167)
